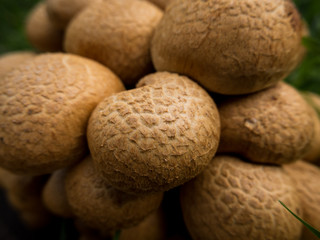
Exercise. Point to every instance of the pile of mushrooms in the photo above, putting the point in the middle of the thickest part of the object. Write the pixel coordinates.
(133, 113)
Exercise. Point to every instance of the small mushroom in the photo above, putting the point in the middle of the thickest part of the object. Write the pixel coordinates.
(155, 137)
(45, 104)
(233, 199)
(100, 206)
(229, 47)
(116, 33)
(40, 31)
(273, 126)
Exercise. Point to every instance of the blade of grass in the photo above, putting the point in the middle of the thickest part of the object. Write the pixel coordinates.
(312, 229)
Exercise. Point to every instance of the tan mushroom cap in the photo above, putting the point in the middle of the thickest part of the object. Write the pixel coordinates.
(40, 31)
(61, 12)
(100, 206)
(233, 199)
(161, 3)
(54, 195)
(229, 47)
(155, 137)
(116, 33)
(11, 60)
(307, 178)
(44, 108)
(274, 126)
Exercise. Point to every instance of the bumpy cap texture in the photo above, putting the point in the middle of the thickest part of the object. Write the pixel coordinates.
(233, 199)
(13, 59)
(41, 32)
(116, 33)
(307, 178)
(44, 108)
(275, 125)
(54, 195)
(230, 47)
(155, 137)
(100, 206)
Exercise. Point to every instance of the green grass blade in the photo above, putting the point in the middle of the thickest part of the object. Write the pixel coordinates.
(116, 236)
(312, 229)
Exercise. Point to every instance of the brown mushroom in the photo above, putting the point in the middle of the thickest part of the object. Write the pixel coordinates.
(233, 199)
(229, 47)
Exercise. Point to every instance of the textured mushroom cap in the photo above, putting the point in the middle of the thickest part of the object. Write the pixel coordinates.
(11, 60)
(161, 3)
(99, 205)
(155, 137)
(60, 12)
(44, 108)
(116, 33)
(54, 195)
(42, 34)
(233, 199)
(313, 154)
(230, 47)
(151, 228)
(307, 178)
(275, 125)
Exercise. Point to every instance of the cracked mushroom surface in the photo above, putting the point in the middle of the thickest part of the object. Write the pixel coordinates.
(273, 126)
(155, 137)
(100, 206)
(44, 108)
(233, 199)
(229, 47)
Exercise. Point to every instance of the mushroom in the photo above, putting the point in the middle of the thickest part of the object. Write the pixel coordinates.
(116, 33)
(99, 205)
(155, 137)
(233, 199)
(45, 104)
(40, 31)
(11, 60)
(273, 126)
(161, 3)
(229, 47)
(306, 178)
(61, 12)
(54, 195)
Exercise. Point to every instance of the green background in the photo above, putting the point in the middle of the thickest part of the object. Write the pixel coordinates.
(305, 77)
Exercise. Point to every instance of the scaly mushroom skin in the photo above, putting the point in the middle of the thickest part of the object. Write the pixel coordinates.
(54, 195)
(155, 137)
(40, 31)
(229, 47)
(11, 60)
(307, 178)
(61, 12)
(274, 126)
(100, 206)
(233, 199)
(116, 33)
(44, 108)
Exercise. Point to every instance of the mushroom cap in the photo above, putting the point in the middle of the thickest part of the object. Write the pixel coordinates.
(233, 199)
(306, 178)
(11, 60)
(161, 3)
(229, 47)
(99, 205)
(274, 126)
(54, 195)
(116, 33)
(44, 108)
(155, 137)
(61, 12)
(41, 32)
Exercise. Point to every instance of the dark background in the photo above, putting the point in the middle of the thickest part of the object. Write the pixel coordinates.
(12, 38)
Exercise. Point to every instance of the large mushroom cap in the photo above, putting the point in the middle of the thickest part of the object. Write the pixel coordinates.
(45, 104)
(155, 137)
(230, 47)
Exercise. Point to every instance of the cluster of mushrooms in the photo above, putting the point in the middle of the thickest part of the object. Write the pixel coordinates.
(206, 128)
